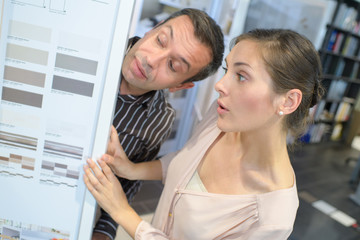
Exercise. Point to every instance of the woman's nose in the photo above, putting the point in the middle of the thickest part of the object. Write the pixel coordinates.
(220, 87)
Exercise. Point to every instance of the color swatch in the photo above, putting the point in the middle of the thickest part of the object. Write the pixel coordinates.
(60, 169)
(76, 64)
(17, 140)
(73, 86)
(27, 54)
(24, 76)
(29, 31)
(22, 97)
(24, 162)
(20, 119)
(64, 150)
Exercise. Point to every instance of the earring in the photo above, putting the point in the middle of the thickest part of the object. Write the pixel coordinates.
(281, 113)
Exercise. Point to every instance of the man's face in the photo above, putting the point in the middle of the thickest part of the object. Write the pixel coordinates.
(164, 58)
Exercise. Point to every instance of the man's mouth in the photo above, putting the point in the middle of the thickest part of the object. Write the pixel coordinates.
(139, 70)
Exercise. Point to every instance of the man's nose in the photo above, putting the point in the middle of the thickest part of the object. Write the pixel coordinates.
(155, 59)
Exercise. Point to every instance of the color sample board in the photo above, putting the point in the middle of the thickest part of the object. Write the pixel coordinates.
(59, 69)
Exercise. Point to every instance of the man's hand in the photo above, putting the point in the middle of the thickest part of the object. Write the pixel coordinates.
(114, 142)
(117, 159)
(121, 166)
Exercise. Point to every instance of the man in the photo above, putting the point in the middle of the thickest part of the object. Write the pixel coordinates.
(186, 47)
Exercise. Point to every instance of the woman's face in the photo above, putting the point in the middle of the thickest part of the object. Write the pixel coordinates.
(247, 101)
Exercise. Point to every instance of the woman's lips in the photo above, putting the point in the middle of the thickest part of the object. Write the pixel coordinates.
(221, 109)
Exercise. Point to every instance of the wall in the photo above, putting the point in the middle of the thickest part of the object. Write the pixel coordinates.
(150, 8)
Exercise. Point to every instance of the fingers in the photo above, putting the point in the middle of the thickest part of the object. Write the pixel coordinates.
(96, 176)
(114, 142)
(107, 170)
(114, 135)
(90, 181)
(107, 158)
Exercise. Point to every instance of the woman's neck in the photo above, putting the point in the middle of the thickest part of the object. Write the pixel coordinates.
(258, 149)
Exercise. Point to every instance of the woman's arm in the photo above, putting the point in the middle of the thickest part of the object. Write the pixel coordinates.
(107, 191)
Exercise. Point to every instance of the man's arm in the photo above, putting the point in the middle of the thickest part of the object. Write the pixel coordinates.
(134, 171)
(120, 164)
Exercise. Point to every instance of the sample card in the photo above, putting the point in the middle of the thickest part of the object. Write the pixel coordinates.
(54, 56)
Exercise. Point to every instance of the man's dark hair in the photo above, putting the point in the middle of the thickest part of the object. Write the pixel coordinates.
(208, 33)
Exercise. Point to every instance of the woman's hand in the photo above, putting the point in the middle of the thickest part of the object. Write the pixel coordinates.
(107, 191)
(105, 188)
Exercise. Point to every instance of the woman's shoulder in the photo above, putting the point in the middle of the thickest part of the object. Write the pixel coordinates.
(278, 207)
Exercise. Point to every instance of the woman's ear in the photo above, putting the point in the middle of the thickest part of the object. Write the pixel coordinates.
(292, 101)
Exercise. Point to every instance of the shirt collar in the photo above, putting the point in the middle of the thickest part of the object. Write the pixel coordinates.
(147, 100)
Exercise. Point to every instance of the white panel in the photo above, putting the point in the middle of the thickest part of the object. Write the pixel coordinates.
(47, 131)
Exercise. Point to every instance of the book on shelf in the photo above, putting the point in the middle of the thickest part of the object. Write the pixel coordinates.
(336, 90)
(318, 109)
(321, 113)
(343, 112)
(356, 29)
(326, 65)
(332, 111)
(338, 42)
(355, 70)
(337, 132)
(346, 17)
(317, 131)
(332, 40)
(350, 46)
(340, 15)
(340, 68)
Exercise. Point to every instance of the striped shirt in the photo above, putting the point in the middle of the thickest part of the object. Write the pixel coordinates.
(143, 123)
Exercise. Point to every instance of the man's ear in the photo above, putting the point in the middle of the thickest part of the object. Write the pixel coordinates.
(181, 86)
(292, 101)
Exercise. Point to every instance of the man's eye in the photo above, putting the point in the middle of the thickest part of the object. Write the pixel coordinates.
(160, 42)
(171, 66)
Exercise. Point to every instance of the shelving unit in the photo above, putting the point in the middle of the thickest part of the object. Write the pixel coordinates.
(340, 57)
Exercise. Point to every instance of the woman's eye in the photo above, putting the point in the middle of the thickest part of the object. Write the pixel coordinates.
(241, 77)
(225, 69)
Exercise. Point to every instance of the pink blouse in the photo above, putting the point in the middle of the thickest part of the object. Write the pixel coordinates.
(187, 214)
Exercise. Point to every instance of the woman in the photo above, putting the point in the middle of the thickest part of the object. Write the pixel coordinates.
(233, 179)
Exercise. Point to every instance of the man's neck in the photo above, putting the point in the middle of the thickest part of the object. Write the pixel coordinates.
(127, 89)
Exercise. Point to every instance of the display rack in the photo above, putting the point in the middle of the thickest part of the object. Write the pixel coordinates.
(340, 57)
